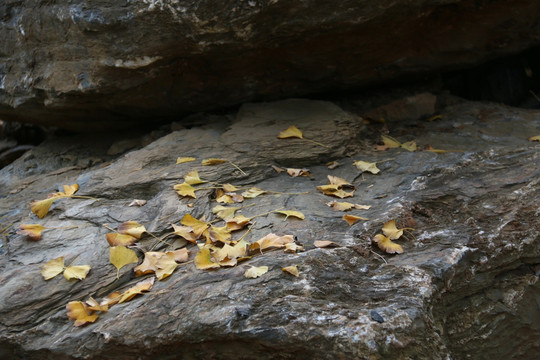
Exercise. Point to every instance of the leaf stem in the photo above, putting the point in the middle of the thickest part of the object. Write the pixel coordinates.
(82, 197)
(383, 259)
(316, 142)
(237, 167)
(108, 228)
(247, 232)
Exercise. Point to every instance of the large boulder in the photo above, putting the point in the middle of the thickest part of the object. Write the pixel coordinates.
(466, 285)
(90, 63)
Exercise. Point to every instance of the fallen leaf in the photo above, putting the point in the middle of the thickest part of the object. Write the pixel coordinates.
(271, 241)
(290, 132)
(115, 239)
(335, 190)
(229, 188)
(181, 255)
(185, 232)
(41, 207)
(351, 219)
(231, 252)
(70, 189)
(221, 234)
(203, 260)
(111, 299)
(292, 213)
(166, 265)
(137, 202)
(95, 306)
(149, 264)
(534, 138)
(223, 212)
(391, 231)
(293, 247)
(52, 268)
(237, 198)
(132, 228)
(238, 222)
(409, 145)
(437, 151)
(185, 189)
(365, 166)
(141, 286)
(293, 270)
(198, 226)
(213, 161)
(182, 160)
(434, 117)
(334, 180)
(345, 206)
(78, 311)
(278, 169)
(255, 271)
(76, 272)
(325, 244)
(32, 231)
(390, 142)
(224, 199)
(192, 178)
(121, 256)
(385, 244)
(252, 193)
(332, 165)
(298, 172)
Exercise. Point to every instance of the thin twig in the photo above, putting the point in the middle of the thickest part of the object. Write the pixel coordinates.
(383, 259)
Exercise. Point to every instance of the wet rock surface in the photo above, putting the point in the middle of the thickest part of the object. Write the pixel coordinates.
(94, 64)
(466, 285)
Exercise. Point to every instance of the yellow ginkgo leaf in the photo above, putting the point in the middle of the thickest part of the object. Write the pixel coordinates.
(185, 189)
(351, 219)
(223, 212)
(139, 288)
(76, 272)
(192, 178)
(293, 270)
(121, 256)
(32, 231)
(255, 271)
(387, 245)
(221, 234)
(292, 213)
(149, 264)
(78, 311)
(70, 189)
(335, 190)
(236, 251)
(534, 138)
(252, 193)
(390, 142)
(334, 180)
(225, 199)
(365, 166)
(290, 132)
(238, 222)
(132, 228)
(52, 268)
(293, 247)
(409, 145)
(185, 232)
(182, 160)
(271, 241)
(203, 260)
(166, 265)
(228, 188)
(391, 231)
(213, 161)
(198, 226)
(41, 207)
(325, 244)
(345, 206)
(115, 239)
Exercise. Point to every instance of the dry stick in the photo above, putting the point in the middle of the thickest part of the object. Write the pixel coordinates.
(536, 97)
(383, 259)
(82, 197)
(159, 240)
(247, 232)
(236, 166)
(7, 227)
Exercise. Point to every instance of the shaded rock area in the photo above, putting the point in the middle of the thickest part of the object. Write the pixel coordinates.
(466, 285)
(89, 64)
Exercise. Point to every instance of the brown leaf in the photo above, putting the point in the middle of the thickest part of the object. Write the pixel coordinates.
(115, 239)
(137, 202)
(198, 226)
(298, 172)
(271, 241)
(139, 288)
(132, 228)
(351, 219)
(185, 232)
(325, 244)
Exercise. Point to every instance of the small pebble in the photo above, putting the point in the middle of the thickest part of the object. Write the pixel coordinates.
(376, 317)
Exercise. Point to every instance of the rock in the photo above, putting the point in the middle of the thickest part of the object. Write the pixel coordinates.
(465, 285)
(86, 64)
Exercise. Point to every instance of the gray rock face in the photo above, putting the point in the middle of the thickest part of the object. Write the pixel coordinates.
(90, 63)
(465, 286)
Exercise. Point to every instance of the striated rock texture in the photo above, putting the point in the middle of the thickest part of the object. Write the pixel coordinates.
(466, 285)
(92, 63)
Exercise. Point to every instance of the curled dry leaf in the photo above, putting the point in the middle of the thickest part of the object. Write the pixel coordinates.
(181, 255)
(334, 180)
(298, 172)
(255, 271)
(95, 306)
(192, 178)
(213, 161)
(290, 132)
(132, 228)
(182, 160)
(409, 146)
(292, 213)
(137, 202)
(203, 260)
(293, 247)
(185, 189)
(345, 206)
(111, 299)
(32, 231)
(390, 142)
(534, 138)
(278, 169)
(198, 226)
(325, 244)
(387, 245)
(365, 166)
(351, 219)
(271, 241)
(293, 270)
(185, 232)
(78, 311)
(139, 288)
(237, 223)
(252, 193)
(229, 188)
(149, 264)
(332, 165)
(121, 256)
(115, 239)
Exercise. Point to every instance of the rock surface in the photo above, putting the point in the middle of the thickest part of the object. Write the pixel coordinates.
(466, 285)
(90, 63)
